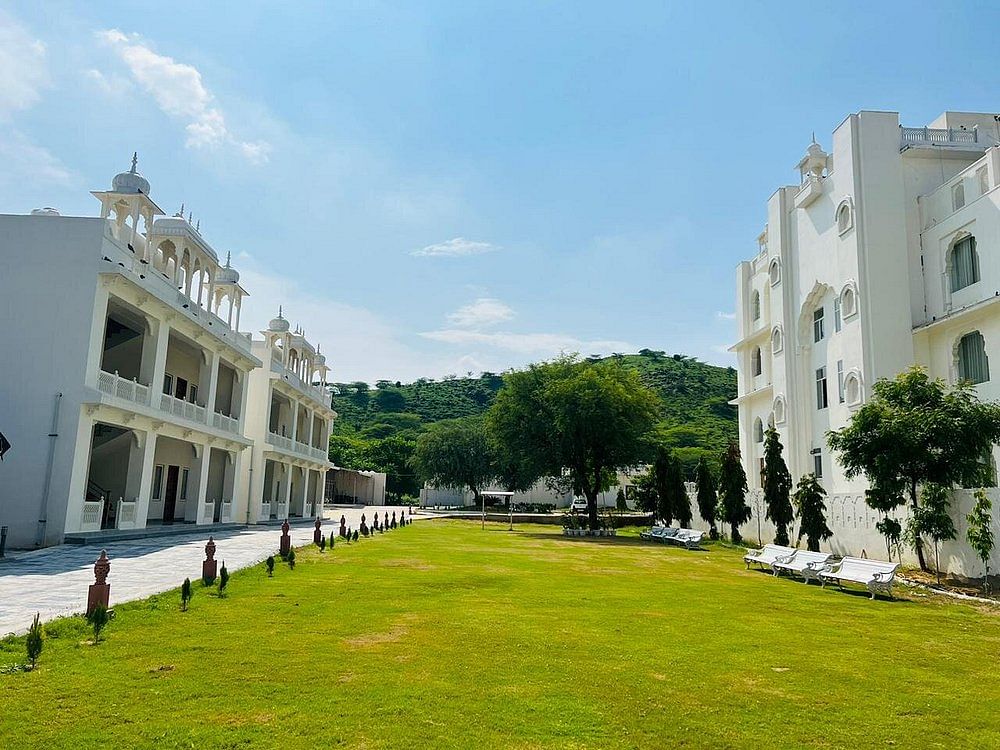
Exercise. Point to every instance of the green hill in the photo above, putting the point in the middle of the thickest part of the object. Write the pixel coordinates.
(696, 417)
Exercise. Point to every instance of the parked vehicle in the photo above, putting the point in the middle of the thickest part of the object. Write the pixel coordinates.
(579, 505)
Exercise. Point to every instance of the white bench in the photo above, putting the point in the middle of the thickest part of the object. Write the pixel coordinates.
(807, 564)
(769, 554)
(875, 574)
(688, 538)
(657, 533)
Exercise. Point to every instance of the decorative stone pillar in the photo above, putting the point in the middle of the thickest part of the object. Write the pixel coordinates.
(99, 592)
(209, 568)
(343, 527)
(286, 541)
(317, 531)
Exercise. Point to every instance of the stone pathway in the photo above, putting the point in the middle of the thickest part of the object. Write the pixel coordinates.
(54, 581)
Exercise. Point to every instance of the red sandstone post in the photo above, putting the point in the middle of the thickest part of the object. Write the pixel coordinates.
(286, 541)
(209, 568)
(99, 592)
(317, 533)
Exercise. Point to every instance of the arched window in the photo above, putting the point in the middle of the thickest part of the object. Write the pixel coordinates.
(958, 196)
(779, 410)
(845, 218)
(777, 342)
(964, 263)
(852, 389)
(755, 305)
(774, 271)
(756, 366)
(758, 431)
(848, 302)
(973, 365)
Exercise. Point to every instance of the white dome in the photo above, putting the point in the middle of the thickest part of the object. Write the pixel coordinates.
(227, 274)
(279, 324)
(131, 181)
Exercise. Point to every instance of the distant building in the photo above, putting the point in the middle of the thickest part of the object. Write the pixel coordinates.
(128, 393)
(884, 254)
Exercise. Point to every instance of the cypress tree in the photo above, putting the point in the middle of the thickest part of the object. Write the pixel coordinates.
(733, 492)
(661, 484)
(680, 504)
(808, 497)
(777, 488)
(708, 501)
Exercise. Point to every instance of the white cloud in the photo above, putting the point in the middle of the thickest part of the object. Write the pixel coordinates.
(23, 69)
(725, 315)
(548, 344)
(485, 311)
(23, 160)
(454, 248)
(178, 90)
(112, 85)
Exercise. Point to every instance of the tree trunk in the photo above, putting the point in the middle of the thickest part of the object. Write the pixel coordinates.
(918, 543)
(734, 534)
(591, 507)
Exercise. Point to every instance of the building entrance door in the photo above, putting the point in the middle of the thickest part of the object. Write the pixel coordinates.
(170, 494)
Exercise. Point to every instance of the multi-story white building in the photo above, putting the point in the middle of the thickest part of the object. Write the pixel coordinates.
(885, 254)
(289, 421)
(125, 384)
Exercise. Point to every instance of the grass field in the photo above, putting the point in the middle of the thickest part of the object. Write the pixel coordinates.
(443, 635)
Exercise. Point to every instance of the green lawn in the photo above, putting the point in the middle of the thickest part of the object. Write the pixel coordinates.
(442, 635)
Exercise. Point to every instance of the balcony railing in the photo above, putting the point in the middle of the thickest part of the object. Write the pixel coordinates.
(937, 136)
(264, 512)
(294, 446)
(129, 390)
(226, 514)
(282, 510)
(225, 423)
(127, 515)
(91, 518)
(318, 392)
(112, 384)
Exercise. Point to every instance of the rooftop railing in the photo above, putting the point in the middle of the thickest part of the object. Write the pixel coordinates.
(937, 136)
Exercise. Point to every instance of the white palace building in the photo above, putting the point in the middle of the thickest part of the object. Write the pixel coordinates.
(128, 393)
(886, 253)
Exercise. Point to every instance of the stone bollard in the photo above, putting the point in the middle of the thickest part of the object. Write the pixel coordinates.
(343, 527)
(385, 524)
(394, 519)
(209, 568)
(286, 541)
(99, 592)
(317, 533)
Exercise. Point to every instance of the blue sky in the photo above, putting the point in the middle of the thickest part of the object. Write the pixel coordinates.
(439, 188)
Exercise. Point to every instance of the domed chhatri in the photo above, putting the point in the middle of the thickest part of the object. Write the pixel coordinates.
(227, 274)
(131, 181)
(320, 357)
(279, 324)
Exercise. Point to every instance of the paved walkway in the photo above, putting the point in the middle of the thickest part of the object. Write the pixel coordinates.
(54, 581)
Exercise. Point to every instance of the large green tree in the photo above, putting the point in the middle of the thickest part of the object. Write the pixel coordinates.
(582, 418)
(456, 453)
(677, 495)
(916, 430)
(733, 492)
(661, 470)
(777, 488)
(808, 497)
(708, 501)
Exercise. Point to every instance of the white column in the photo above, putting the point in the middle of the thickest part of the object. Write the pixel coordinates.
(146, 480)
(159, 362)
(199, 478)
(239, 307)
(213, 384)
(295, 419)
(97, 328)
(288, 489)
(78, 478)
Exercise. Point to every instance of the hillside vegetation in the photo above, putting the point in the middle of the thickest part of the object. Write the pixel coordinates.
(374, 423)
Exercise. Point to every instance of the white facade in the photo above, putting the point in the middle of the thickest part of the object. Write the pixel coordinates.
(289, 421)
(863, 269)
(125, 384)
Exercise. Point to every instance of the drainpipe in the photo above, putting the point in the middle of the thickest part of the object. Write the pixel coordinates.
(250, 487)
(43, 512)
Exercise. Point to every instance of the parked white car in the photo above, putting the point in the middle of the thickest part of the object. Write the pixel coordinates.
(579, 505)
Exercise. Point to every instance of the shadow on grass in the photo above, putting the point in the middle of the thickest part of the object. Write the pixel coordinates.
(850, 591)
(608, 541)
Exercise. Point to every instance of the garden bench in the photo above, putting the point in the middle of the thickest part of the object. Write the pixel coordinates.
(768, 555)
(807, 564)
(875, 574)
(688, 538)
(655, 533)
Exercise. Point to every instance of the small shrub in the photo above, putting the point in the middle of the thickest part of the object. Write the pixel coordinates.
(322, 544)
(185, 594)
(355, 535)
(332, 539)
(98, 618)
(269, 564)
(223, 579)
(291, 558)
(33, 644)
